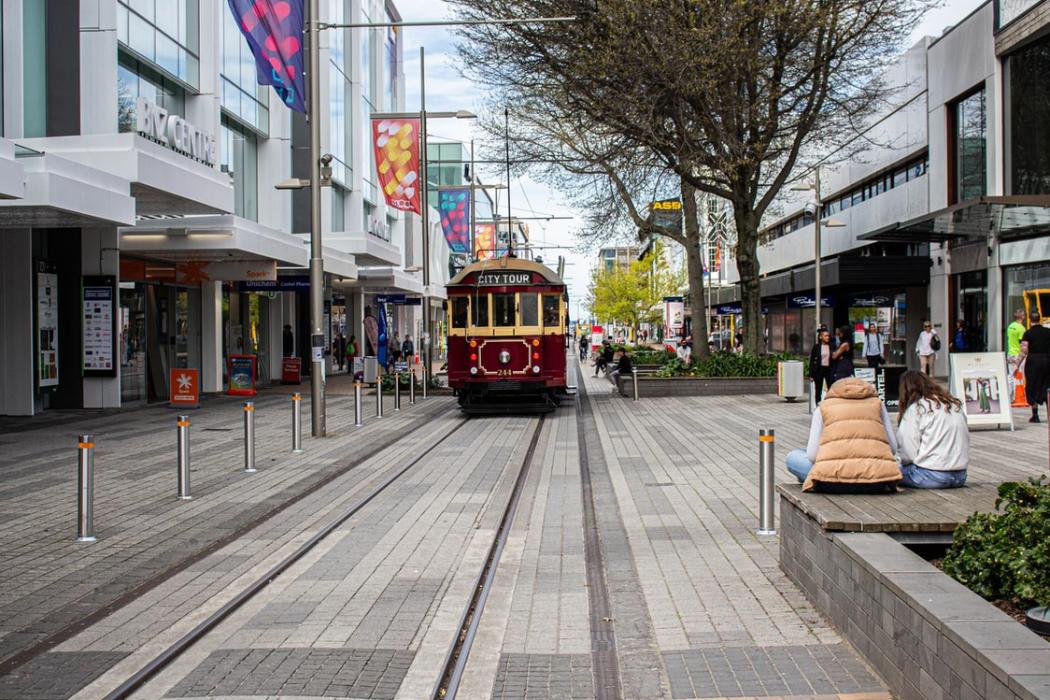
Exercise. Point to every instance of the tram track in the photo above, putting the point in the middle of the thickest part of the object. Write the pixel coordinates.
(174, 651)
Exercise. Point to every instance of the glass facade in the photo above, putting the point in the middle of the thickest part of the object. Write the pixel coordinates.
(239, 158)
(34, 71)
(164, 32)
(970, 146)
(391, 58)
(371, 192)
(1028, 102)
(242, 96)
(137, 79)
(340, 95)
(1028, 288)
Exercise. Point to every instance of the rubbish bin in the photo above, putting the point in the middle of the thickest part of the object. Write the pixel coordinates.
(790, 379)
(371, 370)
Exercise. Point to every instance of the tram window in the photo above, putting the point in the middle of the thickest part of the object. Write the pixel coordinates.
(528, 309)
(551, 317)
(459, 312)
(503, 309)
(481, 310)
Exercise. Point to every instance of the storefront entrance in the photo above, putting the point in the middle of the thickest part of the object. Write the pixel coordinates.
(157, 333)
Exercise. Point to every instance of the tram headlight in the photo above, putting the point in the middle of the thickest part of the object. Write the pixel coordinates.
(504, 357)
(473, 370)
(535, 369)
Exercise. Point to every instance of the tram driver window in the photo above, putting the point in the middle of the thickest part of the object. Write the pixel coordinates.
(459, 312)
(481, 310)
(503, 310)
(551, 318)
(528, 308)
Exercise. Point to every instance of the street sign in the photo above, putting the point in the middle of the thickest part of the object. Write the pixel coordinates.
(291, 370)
(242, 375)
(184, 389)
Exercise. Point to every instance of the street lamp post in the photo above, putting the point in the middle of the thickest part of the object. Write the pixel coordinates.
(818, 224)
(317, 398)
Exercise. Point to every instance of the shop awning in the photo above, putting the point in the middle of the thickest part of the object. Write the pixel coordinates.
(1013, 216)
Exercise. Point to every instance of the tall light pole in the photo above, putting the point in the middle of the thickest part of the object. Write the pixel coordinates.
(818, 223)
(317, 399)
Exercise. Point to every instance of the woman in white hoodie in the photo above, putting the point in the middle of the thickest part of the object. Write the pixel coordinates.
(933, 440)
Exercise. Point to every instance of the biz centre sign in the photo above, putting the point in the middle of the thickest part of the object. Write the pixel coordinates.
(155, 123)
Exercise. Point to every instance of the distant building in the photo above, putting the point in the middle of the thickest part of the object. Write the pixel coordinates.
(618, 257)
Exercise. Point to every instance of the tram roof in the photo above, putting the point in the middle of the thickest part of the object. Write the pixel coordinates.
(507, 264)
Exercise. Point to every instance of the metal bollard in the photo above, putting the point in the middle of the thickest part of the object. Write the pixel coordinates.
(297, 424)
(634, 376)
(379, 397)
(412, 388)
(766, 441)
(397, 391)
(249, 437)
(425, 382)
(86, 488)
(358, 409)
(182, 428)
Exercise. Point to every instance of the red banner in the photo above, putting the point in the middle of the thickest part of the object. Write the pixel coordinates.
(396, 143)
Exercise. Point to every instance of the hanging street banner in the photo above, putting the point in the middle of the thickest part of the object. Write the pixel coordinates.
(396, 143)
(274, 31)
(454, 205)
(484, 241)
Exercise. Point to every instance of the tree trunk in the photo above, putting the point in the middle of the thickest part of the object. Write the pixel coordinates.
(695, 271)
(747, 266)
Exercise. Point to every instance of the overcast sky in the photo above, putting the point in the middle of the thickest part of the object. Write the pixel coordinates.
(448, 91)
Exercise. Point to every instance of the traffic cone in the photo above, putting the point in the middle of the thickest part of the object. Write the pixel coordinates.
(1020, 401)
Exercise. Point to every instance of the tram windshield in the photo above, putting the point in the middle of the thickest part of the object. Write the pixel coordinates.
(503, 310)
(459, 312)
(527, 310)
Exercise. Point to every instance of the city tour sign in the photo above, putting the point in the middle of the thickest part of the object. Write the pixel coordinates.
(157, 124)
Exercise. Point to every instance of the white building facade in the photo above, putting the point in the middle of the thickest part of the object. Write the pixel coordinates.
(139, 153)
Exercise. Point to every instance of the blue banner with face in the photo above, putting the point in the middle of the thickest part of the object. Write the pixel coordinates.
(274, 31)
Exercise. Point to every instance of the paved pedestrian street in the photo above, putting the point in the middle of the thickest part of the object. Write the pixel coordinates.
(605, 550)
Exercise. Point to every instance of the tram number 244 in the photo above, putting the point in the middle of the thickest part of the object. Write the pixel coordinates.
(503, 373)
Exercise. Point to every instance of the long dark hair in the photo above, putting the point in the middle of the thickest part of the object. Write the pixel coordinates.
(915, 385)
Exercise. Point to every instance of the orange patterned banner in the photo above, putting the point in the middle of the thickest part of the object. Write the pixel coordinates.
(396, 144)
(484, 241)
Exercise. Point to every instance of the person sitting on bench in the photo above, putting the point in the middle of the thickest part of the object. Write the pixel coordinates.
(851, 443)
(623, 366)
(933, 440)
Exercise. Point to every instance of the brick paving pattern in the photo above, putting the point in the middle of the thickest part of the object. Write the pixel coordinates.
(358, 673)
(56, 675)
(543, 677)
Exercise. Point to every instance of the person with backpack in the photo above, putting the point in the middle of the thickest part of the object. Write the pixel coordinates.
(926, 348)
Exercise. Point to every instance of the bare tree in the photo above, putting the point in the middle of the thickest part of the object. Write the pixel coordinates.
(727, 94)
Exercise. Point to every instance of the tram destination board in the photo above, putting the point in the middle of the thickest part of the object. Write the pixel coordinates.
(504, 279)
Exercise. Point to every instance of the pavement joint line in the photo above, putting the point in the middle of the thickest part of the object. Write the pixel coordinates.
(72, 628)
(232, 606)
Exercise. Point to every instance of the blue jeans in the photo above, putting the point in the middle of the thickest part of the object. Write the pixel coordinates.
(798, 464)
(918, 478)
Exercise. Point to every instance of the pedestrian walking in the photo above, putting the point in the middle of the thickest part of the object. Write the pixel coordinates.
(1014, 332)
(1035, 348)
(289, 341)
(873, 347)
(339, 349)
(926, 348)
(820, 364)
(351, 352)
(584, 343)
(842, 356)
(959, 341)
(407, 349)
(393, 351)
(933, 439)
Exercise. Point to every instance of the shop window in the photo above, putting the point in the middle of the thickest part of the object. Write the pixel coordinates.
(969, 133)
(459, 312)
(1028, 100)
(503, 310)
(481, 310)
(528, 310)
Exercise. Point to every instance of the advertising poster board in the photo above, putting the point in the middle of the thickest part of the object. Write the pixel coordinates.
(674, 317)
(242, 375)
(46, 325)
(98, 295)
(185, 388)
(291, 370)
(978, 379)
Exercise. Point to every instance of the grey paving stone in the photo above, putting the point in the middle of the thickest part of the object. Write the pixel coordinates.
(543, 677)
(56, 674)
(365, 673)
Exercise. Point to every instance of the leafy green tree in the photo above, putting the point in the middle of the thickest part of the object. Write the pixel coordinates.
(634, 294)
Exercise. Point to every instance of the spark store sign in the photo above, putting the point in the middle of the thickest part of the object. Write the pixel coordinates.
(171, 130)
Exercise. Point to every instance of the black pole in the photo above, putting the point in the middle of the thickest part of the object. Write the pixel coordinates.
(506, 145)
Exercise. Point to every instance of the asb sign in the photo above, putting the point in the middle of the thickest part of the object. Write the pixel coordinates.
(171, 130)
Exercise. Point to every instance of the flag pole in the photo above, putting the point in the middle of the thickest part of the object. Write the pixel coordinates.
(317, 398)
(473, 218)
(424, 216)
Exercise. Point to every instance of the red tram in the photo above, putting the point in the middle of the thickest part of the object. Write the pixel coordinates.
(506, 336)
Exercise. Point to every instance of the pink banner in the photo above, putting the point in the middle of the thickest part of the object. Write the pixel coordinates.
(396, 144)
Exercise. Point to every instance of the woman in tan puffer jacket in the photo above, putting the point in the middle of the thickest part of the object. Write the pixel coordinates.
(851, 443)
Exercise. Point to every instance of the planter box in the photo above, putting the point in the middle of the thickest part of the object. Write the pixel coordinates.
(927, 635)
(697, 386)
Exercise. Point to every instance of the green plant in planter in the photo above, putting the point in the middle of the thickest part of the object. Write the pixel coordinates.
(1007, 554)
(726, 364)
